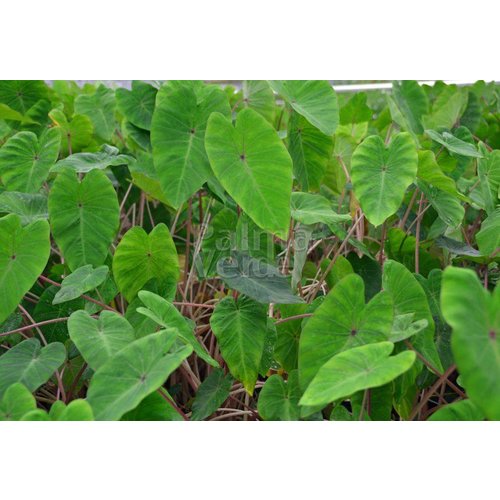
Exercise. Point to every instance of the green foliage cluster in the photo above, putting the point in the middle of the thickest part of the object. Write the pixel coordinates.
(189, 251)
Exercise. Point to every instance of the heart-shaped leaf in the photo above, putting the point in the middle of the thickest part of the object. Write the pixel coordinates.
(380, 174)
(84, 217)
(341, 322)
(259, 96)
(356, 370)
(279, 400)
(140, 257)
(16, 402)
(80, 281)
(21, 95)
(133, 373)
(25, 160)
(137, 104)
(474, 317)
(241, 327)
(24, 252)
(30, 364)
(98, 340)
(253, 166)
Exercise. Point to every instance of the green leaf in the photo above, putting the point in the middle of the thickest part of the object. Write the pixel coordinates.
(240, 328)
(430, 172)
(409, 297)
(21, 95)
(258, 96)
(28, 206)
(85, 162)
(488, 169)
(453, 144)
(84, 217)
(355, 370)
(213, 391)
(25, 160)
(310, 150)
(464, 410)
(152, 408)
(137, 104)
(7, 113)
(77, 411)
(404, 327)
(98, 340)
(315, 100)
(341, 322)
(253, 166)
(100, 108)
(279, 400)
(16, 402)
(448, 207)
(76, 134)
(255, 278)
(178, 135)
(133, 373)
(312, 208)
(408, 104)
(381, 174)
(24, 252)
(447, 108)
(30, 364)
(80, 281)
(488, 238)
(140, 257)
(166, 314)
(474, 317)
(356, 110)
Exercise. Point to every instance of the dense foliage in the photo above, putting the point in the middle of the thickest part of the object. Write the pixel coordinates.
(271, 252)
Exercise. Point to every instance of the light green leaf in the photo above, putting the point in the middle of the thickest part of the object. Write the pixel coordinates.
(30, 364)
(80, 281)
(279, 400)
(178, 136)
(166, 314)
(256, 279)
(16, 402)
(258, 96)
(430, 172)
(253, 166)
(404, 327)
(315, 100)
(213, 391)
(488, 169)
(355, 370)
(341, 322)
(381, 174)
(133, 373)
(98, 340)
(140, 257)
(137, 104)
(453, 144)
(24, 252)
(85, 162)
(448, 207)
(464, 410)
(310, 150)
(100, 108)
(84, 217)
(488, 238)
(240, 328)
(77, 411)
(25, 160)
(474, 316)
(312, 208)
(28, 206)
(447, 108)
(7, 113)
(76, 134)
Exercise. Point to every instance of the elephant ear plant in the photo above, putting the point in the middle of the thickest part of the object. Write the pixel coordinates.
(268, 251)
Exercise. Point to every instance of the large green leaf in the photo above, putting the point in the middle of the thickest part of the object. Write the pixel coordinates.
(380, 174)
(24, 252)
(341, 322)
(255, 278)
(355, 370)
(253, 166)
(453, 144)
(213, 391)
(409, 298)
(447, 108)
(259, 96)
(21, 95)
(459, 411)
(408, 104)
(178, 135)
(474, 316)
(448, 207)
(98, 340)
(315, 100)
(133, 373)
(100, 108)
(430, 172)
(78, 410)
(140, 257)
(7, 113)
(30, 364)
(312, 208)
(16, 402)
(85, 162)
(75, 134)
(28, 206)
(310, 150)
(153, 408)
(165, 314)
(80, 281)
(241, 327)
(25, 160)
(137, 104)
(279, 400)
(84, 217)
(488, 238)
